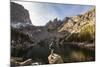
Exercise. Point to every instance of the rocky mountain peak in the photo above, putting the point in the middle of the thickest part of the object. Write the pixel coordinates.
(19, 14)
(78, 21)
(53, 25)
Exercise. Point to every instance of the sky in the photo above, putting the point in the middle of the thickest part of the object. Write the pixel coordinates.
(41, 13)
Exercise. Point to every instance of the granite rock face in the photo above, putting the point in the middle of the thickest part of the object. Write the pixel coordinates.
(78, 21)
(19, 14)
(55, 59)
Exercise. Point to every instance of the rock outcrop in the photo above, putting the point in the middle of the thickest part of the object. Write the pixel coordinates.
(55, 59)
(76, 22)
(19, 14)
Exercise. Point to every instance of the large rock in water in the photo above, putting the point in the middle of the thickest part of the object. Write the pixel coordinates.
(55, 59)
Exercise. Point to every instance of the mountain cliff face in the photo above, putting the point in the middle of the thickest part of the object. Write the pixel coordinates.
(19, 15)
(77, 22)
(20, 23)
(81, 27)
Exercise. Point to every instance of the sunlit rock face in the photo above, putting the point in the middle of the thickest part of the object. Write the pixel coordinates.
(55, 59)
(78, 21)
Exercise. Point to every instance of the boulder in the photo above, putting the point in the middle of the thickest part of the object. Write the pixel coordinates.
(55, 59)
